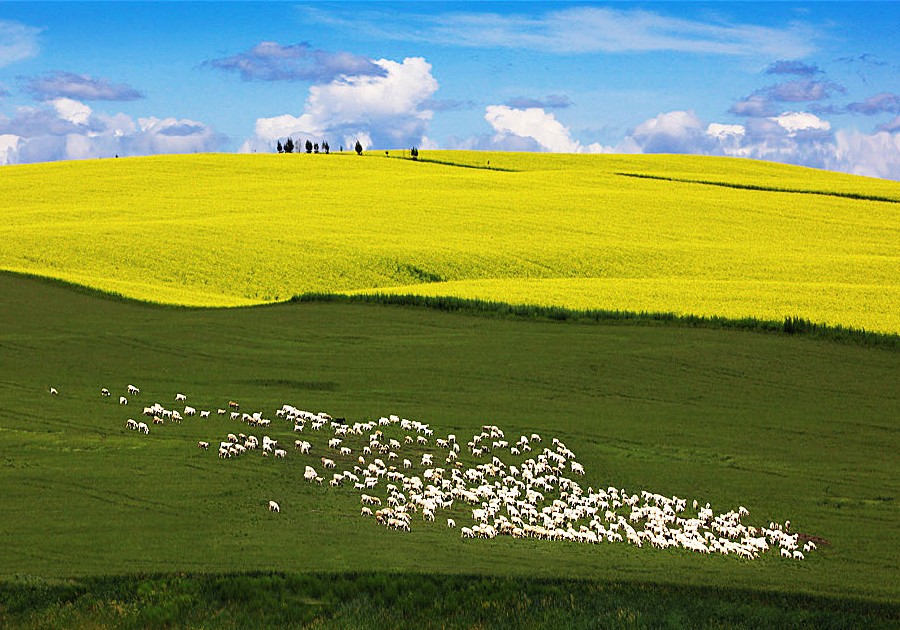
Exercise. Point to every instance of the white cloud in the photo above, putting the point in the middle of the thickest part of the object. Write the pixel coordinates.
(9, 147)
(725, 132)
(793, 122)
(873, 155)
(389, 111)
(72, 111)
(672, 132)
(534, 122)
(17, 42)
(71, 130)
(581, 30)
(798, 138)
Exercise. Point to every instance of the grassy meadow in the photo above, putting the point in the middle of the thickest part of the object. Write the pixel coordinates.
(472, 288)
(103, 526)
(683, 234)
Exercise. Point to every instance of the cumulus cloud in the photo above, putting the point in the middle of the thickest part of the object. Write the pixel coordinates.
(872, 155)
(551, 101)
(495, 142)
(793, 67)
(793, 137)
(9, 147)
(72, 111)
(884, 102)
(795, 122)
(270, 61)
(78, 86)
(17, 42)
(535, 123)
(672, 132)
(385, 111)
(66, 129)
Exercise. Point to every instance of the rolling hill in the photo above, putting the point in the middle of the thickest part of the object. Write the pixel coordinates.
(684, 234)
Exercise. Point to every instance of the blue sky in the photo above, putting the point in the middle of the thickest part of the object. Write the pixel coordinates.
(806, 83)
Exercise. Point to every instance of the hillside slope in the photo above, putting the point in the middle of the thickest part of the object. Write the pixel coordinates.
(654, 233)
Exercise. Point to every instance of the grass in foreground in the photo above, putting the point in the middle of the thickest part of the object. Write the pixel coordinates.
(552, 230)
(790, 428)
(368, 600)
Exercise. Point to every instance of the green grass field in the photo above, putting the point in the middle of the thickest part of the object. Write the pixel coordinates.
(684, 234)
(791, 428)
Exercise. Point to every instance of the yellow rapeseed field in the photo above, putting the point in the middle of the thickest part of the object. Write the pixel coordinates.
(566, 230)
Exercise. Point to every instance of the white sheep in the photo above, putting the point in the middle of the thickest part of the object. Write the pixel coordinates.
(123, 400)
(203, 445)
(133, 391)
(180, 398)
(274, 507)
(143, 428)
(104, 392)
(451, 523)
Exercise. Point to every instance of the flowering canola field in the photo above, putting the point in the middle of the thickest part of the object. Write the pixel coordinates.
(683, 234)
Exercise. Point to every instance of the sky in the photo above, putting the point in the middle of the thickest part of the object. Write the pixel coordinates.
(809, 83)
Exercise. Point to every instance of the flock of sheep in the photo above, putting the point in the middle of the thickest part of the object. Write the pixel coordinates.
(513, 487)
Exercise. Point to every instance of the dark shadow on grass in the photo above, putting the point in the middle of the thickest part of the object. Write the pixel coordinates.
(793, 326)
(408, 600)
(846, 195)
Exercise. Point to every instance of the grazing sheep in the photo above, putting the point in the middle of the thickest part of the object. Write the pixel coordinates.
(274, 507)
(104, 392)
(180, 398)
(123, 400)
(54, 391)
(143, 428)
(133, 391)
(451, 523)
(203, 445)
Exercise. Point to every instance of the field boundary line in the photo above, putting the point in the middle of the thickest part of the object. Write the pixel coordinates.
(755, 187)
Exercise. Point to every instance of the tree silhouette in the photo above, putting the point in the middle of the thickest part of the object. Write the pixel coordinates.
(316, 147)
(279, 148)
(308, 146)
(414, 153)
(325, 148)
(289, 146)
(358, 148)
